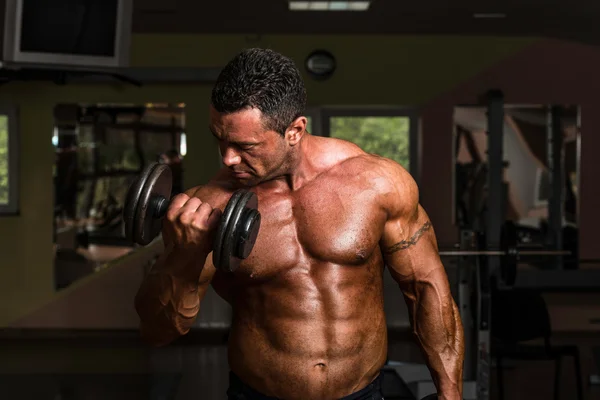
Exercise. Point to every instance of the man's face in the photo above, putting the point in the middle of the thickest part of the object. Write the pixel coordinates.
(253, 153)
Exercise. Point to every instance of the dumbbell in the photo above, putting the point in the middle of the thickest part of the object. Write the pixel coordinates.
(148, 200)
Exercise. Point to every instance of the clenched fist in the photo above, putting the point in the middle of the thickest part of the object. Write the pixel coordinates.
(190, 224)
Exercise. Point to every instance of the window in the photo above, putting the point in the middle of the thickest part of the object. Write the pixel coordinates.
(384, 136)
(183, 144)
(8, 162)
(389, 132)
(4, 142)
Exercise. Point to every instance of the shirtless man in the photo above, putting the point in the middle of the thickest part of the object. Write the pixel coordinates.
(308, 318)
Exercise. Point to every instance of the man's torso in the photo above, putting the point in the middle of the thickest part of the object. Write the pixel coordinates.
(307, 303)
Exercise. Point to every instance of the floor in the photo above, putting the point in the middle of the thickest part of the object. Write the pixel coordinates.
(118, 367)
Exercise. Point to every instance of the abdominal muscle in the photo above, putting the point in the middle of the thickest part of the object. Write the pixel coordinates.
(296, 341)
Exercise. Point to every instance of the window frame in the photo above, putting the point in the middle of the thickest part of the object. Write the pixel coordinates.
(315, 115)
(12, 208)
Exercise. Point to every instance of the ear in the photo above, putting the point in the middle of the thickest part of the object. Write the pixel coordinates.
(296, 130)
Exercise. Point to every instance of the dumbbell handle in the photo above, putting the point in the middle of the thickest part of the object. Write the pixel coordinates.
(160, 205)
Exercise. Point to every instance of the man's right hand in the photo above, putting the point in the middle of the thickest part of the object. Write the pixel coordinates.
(190, 224)
(169, 298)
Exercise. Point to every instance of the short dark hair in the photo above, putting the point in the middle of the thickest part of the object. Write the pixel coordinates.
(262, 79)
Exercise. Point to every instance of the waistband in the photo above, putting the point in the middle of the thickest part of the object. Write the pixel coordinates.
(237, 385)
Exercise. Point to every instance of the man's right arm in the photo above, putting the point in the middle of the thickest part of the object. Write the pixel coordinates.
(169, 298)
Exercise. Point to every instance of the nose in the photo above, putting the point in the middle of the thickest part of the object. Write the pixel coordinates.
(230, 157)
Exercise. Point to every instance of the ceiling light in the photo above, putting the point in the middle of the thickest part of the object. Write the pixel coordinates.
(349, 5)
(338, 5)
(298, 5)
(318, 5)
(489, 15)
(358, 5)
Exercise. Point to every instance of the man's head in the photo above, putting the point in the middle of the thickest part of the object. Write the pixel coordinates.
(257, 108)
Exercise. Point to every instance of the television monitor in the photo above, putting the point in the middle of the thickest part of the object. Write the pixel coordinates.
(67, 34)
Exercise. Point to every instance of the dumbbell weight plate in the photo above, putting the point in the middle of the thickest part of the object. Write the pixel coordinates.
(238, 231)
(233, 243)
(131, 200)
(248, 230)
(147, 225)
(222, 229)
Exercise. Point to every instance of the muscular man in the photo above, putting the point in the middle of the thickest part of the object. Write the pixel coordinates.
(308, 317)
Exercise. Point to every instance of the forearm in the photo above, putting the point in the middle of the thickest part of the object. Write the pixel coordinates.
(168, 299)
(438, 330)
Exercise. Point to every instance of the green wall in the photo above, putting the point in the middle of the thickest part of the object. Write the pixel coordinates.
(380, 70)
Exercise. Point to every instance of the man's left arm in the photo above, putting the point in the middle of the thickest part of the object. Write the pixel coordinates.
(410, 251)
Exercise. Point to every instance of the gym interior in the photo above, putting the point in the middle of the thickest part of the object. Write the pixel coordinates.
(490, 107)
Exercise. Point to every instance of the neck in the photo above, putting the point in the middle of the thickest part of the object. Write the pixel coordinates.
(302, 165)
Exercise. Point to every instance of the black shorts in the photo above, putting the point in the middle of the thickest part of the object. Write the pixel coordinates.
(238, 390)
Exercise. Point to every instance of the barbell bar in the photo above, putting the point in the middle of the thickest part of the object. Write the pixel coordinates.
(508, 251)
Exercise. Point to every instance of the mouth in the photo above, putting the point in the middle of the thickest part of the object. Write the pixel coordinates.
(241, 174)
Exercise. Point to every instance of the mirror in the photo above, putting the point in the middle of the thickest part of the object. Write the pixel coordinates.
(100, 150)
(529, 146)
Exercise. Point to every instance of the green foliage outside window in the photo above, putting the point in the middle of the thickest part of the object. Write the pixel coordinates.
(4, 189)
(386, 136)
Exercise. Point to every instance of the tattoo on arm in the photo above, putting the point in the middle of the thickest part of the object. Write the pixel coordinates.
(411, 241)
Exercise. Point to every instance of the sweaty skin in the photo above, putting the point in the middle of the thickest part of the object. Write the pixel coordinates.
(308, 318)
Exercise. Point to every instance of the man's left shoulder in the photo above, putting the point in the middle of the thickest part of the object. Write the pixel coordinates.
(387, 171)
(394, 183)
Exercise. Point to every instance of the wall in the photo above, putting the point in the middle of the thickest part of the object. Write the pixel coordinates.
(26, 278)
(548, 72)
(390, 70)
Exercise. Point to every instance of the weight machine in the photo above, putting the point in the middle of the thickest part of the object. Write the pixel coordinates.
(488, 253)
(497, 270)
